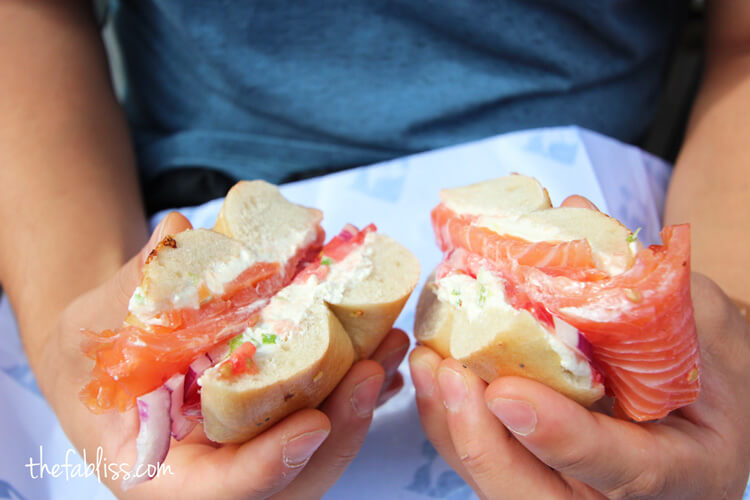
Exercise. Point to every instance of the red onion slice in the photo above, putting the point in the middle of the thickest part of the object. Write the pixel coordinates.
(181, 426)
(585, 347)
(191, 401)
(218, 353)
(196, 369)
(348, 232)
(192, 411)
(152, 443)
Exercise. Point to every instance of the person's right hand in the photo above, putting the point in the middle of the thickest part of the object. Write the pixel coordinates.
(517, 439)
(299, 457)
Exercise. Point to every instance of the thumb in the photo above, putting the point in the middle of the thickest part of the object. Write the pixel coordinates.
(620, 459)
(172, 223)
(120, 287)
(578, 202)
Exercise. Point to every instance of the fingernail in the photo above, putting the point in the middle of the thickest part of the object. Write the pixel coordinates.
(159, 231)
(518, 416)
(155, 238)
(298, 450)
(453, 387)
(421, 377)
(365, 395)
(392, 361)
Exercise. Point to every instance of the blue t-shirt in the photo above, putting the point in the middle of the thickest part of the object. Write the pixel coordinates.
(266, 88)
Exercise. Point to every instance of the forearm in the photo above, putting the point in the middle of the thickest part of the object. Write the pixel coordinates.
(70, 210)
(710, 187)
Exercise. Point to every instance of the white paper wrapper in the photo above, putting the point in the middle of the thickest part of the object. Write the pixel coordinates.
(397, 196)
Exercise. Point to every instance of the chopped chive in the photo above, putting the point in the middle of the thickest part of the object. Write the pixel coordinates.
(269, 338)
(456, 292)
(326, 261)
(633, 236)
(482, 295)
(235, 343)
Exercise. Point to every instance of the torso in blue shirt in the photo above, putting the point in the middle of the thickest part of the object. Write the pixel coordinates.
(268, 88)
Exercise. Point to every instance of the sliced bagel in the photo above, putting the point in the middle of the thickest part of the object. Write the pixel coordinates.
(497, 339)
(259, 275)
(505, 196)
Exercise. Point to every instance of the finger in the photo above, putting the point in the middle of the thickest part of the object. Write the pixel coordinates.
(390, 353)
(256, 469)
(495, 460)
(424, 363)
(394, 388)
(578, 202)
(618, 458)
(349, 407)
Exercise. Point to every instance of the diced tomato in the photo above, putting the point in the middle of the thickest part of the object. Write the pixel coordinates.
(241, 360)
(335, 251)
(347, 240)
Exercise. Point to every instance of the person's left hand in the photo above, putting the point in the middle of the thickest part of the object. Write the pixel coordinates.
(286, 460)
(516, 438)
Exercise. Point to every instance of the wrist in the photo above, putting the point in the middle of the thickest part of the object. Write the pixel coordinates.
(40, 299)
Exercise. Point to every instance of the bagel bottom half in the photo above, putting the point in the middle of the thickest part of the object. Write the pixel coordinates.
(499, 342)
(299, 375)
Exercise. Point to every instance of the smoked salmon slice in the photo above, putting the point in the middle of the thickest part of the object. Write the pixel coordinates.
(639, 323)
(571, 258)
(136, 359)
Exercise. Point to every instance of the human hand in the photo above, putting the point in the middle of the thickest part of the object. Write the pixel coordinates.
(301, 456)
(517, 438)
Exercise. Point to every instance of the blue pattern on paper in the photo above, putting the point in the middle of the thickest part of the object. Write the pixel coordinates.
(448, 484)
(384, 183)
(8, 491)
(632, 210)
(561, 152)
(22, 374)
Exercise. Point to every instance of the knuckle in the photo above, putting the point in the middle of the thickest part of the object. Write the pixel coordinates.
(477, 458)
(123, 287)
(343, 459)
(648, 483)
(267, 485)
(572, 461)
(340, 458)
